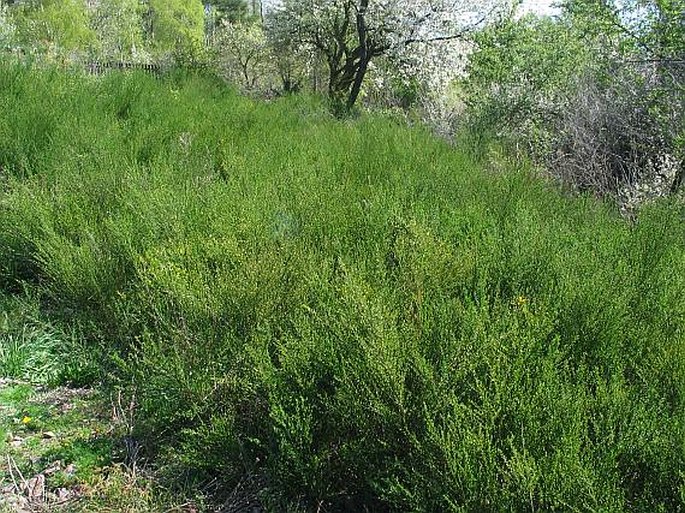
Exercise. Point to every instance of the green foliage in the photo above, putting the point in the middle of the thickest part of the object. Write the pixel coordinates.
(520, 74)
(243, 55)
(119, 26)
(667, 28)
(231, 11)
(360, 314)
(177, 26)
(292, 60)
(55, 27)
(33, 350)
(654, 28)
(595, 94)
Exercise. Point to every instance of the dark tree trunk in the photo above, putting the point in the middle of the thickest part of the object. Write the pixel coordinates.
(364, 56)
(357, 84)
(348, 65)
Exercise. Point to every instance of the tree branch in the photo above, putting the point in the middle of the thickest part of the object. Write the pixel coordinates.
(435, 39)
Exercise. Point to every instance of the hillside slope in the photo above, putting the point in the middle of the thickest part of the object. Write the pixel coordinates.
(355, 315)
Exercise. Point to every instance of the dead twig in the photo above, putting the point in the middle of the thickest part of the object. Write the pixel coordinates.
(13, 464)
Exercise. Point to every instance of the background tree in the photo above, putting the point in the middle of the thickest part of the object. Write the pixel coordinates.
(595, 94)
(243, 54)
(295, 62)
(57, 27)
(119, 28)
(177, 27)
(349, 34)
(7, 28)
(519, 74)
(230, 11)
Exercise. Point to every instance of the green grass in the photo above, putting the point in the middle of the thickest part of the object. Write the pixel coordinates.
(29, 412)
(67, 436)
(362, 315)
(35, 350)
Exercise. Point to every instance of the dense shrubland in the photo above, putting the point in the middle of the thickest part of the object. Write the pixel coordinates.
(353, 315)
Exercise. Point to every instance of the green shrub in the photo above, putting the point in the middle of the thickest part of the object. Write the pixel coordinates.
(355, 312)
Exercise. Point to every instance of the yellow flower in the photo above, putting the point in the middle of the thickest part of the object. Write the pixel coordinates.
(26, 419)
(520, 301)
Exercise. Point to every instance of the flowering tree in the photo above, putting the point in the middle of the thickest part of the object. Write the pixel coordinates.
(294, 61)
(349, 34)
(7, 29)
(242, 52)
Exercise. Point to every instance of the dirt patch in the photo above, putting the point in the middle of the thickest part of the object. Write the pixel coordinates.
(39, 424)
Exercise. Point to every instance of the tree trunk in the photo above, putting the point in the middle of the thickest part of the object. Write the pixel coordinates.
(357, 84)
(364, 55)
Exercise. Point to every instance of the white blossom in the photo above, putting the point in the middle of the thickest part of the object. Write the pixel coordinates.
(423, 39)
(7, 29)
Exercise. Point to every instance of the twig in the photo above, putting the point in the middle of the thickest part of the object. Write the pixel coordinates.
(179, 507)
(10, 464)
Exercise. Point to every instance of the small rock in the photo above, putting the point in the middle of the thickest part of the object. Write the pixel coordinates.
(49, 434)
(70, 470)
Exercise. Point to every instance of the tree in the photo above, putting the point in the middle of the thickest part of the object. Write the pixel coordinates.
(58, 26)
(119, 26)
(243, 52)
(7, 29)
(294, 61)
(650, 48)
(176, 26)
(231, 11)
(520, 71)
(594, 94)
(349, 34)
